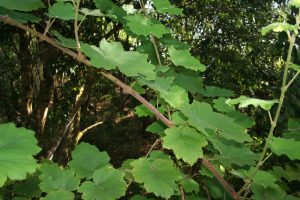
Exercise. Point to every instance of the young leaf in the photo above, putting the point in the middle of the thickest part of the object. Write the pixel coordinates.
(244, 102)
(164, 6)
(20, 5)
(202, 117)
(175, 96)
(81, 162)
(142, 25)
(157, 175)
(279, 27)
(17, 147)
(108, 183)
(186, 143)
(288, 147)
(185, 59)
(59, 194)
(55, 178)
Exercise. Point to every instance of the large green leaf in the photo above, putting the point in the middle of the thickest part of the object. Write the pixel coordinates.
(164, 6)
(110, 55)
(157, 175)
(186, 143)
(244, 102)
(202, 117)
(19, 16)
(279, 27)
(55, 178)
(288, 147)
(185, 59)
(189, 185)
(20, 5)
(59, 194)
(83, 164)
(17, 147)
(142, 25)
(108, 183)
(63, 11)
(232, 152)
(213, 91)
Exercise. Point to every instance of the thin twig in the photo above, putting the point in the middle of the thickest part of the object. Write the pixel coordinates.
(182, 193)
(292, 80)
(152, 147)
(76, 27)
(81, 133)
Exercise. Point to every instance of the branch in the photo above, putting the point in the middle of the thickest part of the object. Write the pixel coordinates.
(126, 88)
(81, 133)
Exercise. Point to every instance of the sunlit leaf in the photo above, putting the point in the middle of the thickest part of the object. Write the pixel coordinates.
(95, 12)
(164, 6)
(185, 59)
(244, 102)
(82, 163)
(108, 183)
(295, 3)
(279, 27)
(185, 142)
(156, 175)
(20, 5)
(142, 25)
(288, 147)
(17, 147)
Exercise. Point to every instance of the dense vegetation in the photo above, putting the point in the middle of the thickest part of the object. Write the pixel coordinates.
(132, 99)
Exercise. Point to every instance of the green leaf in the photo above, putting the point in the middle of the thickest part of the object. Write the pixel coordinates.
(21, 6)
(293, 130)
(232, 152)
(157, 127)
(244, 102)
(188, 80)
(55, 178)
(142, 25)
(294, 67)
(295, 3)
(157, 175)
(175, 96)
(189, 185)
(142, 111)
(288, 147)
(290, 172)
(17, 147)
(66, 42)
(164, 6)
(29, 187)
(130, 63)
(212, 91)
(186, 143)
(88, 12)
(63, 11)
(185, 59)
(279, 27)
(202, 117)
(59, 194)
(260, 193)
(112, 10)
(108, 183)
(159, 84)
(19, 16)
(81, 162)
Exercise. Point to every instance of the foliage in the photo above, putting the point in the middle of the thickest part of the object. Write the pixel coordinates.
(203, 126)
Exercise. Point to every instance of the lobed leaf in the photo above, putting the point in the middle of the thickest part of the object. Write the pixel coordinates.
(17, 147)
(164, 6)
(288, 147)
(185, 142)
(63, 11)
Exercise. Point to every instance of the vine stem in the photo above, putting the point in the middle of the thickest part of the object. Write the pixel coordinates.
(76, 27)
(126, 88)
(284, 87)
